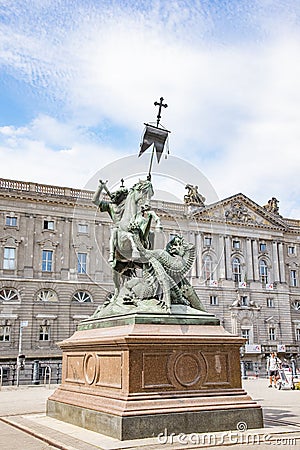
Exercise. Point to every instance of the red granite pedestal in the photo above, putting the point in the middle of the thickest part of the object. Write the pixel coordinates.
(132, 379)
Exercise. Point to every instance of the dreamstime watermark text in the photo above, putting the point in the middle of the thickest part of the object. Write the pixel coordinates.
(226, 437)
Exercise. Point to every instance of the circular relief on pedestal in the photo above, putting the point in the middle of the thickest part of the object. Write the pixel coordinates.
(187, 369)
(90, 367)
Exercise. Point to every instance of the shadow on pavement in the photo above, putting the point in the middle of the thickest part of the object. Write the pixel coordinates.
(277, 416)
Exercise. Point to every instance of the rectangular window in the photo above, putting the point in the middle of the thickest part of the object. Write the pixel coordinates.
(244, 300)
(298, 334)
(48, 225)
(291, 250)
(9, 262)
(245, 332)
(82, 228)
(270, 303)
(81, 259)
(44, 333)
(4, 333)
(236, 244)
(272, 334)
(207, 241)
(214, 301)
(47, 259)
(262, 246)
(11, 221)
(293, 278)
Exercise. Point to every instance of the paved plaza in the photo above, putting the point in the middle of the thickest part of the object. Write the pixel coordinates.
(24, 425)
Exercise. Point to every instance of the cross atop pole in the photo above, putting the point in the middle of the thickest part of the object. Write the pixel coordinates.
(160, 104)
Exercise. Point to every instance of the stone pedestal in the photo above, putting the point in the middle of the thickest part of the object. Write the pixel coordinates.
(135, 376)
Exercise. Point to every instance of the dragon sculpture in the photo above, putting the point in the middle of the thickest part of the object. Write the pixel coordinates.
(164, 275)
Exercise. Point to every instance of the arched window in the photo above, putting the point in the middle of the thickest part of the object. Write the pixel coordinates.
(263, 271)
(236, 270)
(82, 297)
(9, 295)
(47, 295)
(296, 305)
(207, 268)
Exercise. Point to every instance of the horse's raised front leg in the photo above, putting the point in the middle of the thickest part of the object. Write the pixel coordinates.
(135, 254)
(117, 282)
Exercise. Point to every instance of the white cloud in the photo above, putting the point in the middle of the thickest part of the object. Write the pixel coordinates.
(29, 154)
(233, 106)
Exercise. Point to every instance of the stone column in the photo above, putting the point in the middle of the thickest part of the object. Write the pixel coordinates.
(30, 263)
(281, 263)
(66, 248)
(199, 250)
(227, 257)
(221, 256)
(194, 266)
(275, 261)
(234, 325)
(99, 255)
(249, 260)
(255, 261)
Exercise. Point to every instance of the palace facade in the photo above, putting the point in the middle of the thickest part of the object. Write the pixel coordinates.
(54, 249)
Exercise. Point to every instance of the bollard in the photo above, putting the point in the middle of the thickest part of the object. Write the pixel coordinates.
(36, 372)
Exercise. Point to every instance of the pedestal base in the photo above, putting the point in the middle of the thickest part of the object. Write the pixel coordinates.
(141, 379)
(141, 426)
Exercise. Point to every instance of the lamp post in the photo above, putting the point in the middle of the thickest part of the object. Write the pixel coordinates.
(21, 358)
(243, 367)
(293, 363)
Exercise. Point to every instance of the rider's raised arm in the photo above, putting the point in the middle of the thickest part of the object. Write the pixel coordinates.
(96, 197)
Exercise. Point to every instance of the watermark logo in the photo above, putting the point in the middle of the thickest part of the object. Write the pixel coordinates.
(231, 437)
(241, 426)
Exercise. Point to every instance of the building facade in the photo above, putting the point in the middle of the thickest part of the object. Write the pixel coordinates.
(54, 248)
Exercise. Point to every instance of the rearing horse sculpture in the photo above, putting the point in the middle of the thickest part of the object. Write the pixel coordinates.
(138, 195)
(124, 208)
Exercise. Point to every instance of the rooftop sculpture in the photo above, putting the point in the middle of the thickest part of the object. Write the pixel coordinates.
(193, 197)
(272, 206)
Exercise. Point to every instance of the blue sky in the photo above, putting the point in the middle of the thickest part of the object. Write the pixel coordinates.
(79, 78)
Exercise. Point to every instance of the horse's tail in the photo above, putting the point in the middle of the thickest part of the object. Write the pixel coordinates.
(164, 280)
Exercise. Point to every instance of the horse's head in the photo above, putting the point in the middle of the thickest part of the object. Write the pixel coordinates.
(143, 190)
(118, 196)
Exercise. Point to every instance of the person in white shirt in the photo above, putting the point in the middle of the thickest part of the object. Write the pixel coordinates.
(273, 366)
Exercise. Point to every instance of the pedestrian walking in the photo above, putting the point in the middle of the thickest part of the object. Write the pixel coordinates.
(273, 366)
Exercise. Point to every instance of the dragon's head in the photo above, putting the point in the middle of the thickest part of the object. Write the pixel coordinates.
(177, 246)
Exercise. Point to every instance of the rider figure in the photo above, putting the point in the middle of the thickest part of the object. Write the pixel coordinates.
(115, 209)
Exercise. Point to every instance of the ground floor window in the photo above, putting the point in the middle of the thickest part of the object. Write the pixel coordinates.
(5, 332)
(44, 334)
